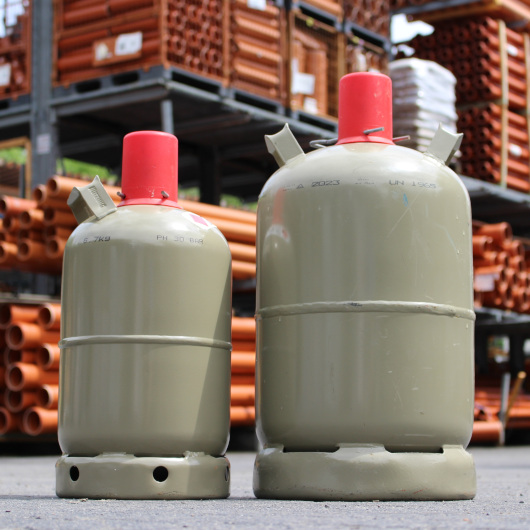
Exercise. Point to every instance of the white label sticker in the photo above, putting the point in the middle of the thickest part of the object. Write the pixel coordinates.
(102, 52)
(512, 50)
(257, 4)
(303, 83)
(128, 43)
(5, 74)
(44, 144)
(485, 282)
(515, 150)
(310, 105)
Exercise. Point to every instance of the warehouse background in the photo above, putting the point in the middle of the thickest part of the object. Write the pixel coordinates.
(77, 75)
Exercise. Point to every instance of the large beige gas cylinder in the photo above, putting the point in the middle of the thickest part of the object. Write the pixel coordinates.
(145, 339)
(365, 321)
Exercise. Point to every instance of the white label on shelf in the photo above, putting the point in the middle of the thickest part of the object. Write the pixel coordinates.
(257, 4)
(512, 50)
(5, 74)
(128, 43)
(515, 150)
(102, 52)
(310, 105)
(485, 282)
(44, 144)
(303, 83)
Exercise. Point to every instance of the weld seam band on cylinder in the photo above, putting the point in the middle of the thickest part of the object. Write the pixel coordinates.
(377, 306)
(144, 339)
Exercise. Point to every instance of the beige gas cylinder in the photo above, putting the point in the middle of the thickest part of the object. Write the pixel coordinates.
(365, 321)
(145, 339)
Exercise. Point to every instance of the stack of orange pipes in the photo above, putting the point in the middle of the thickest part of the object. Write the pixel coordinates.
(258, 42)
(29, 366)
(473, 51)
(243, 368)
(35, 231)
(483, 142)
(501, 276)
(372, 15)
(489, 424)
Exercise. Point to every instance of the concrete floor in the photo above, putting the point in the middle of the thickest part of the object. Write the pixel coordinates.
(27, 500)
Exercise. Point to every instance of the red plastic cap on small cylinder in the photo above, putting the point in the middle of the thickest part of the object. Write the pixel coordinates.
(365, 108)
(150, 169)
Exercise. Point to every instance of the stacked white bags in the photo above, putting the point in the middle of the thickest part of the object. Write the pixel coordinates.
(423, 98)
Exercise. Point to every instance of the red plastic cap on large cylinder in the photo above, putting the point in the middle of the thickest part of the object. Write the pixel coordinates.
(150, 169)
(365, 108)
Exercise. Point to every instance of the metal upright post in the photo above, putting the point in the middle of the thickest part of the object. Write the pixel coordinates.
(44, 135)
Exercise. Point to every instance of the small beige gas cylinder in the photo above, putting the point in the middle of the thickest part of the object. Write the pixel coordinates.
(145, 339)
(365, 321)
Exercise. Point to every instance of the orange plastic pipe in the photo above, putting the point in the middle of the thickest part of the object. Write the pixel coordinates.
(235, 231)
(14, 206)
(11, 313)
(242, 416)
(25, 335)
(8, 254)
(60, 187)
(243, 328)
(38, 420)
(47, 396)
(62, 232)
(487, 431)
(49, 316)
(6, 235)
(243, 345)
(26, 376)
(54, 247)
(499, 232)
(47, 357)
(242, 270)
(19, 356)
(33, 234)
(59, 217)
(243, 363)
(242, 252)
(17, 401)
(242, 395)
(32, 219)
(240, 379)
(9, 421)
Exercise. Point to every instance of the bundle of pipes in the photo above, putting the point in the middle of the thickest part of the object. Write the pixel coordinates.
(35, 231)
(314, 66)
(475, 50)
(196, 36)
(258, 42)
(29, 367)
(242, 390)
(496, 411)
(493, 152)
(98, 38)
(423, 98)
(15, 50)
(371, 15)
(501, 275)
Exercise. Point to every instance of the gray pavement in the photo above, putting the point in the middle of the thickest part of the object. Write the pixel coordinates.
(28, 501)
